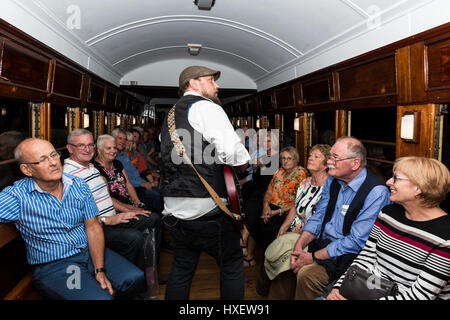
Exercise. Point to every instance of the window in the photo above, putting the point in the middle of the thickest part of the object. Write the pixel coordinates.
(376, 128)
(14, 124)
(58, 129)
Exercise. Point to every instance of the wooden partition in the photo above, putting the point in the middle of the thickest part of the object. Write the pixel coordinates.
(424, 146)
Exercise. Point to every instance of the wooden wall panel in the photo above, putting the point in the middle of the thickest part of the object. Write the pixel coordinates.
(67, 81)
(318, 90)
(411, 74)
(424, 145)
(96, 92)
(341, 122)
(437, 53)
(300, 140)
(267, 103)
(284, 99)
(22, 67)
(367, 85)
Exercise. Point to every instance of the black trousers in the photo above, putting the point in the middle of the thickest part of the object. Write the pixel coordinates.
(127, 239)
(217, 236)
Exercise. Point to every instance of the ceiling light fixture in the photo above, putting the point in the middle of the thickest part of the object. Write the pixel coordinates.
(194, 49)
(204, 4)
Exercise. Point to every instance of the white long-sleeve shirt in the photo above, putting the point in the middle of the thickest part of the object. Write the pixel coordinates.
(212, 122)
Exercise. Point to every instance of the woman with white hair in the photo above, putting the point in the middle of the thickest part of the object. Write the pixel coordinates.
(120, 187)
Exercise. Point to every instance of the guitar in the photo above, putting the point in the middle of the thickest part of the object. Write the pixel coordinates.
(234, 194)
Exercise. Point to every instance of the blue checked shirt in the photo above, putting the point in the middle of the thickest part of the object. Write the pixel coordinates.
(51, 229)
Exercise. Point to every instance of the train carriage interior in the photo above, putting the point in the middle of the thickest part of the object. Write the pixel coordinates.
(314, 70)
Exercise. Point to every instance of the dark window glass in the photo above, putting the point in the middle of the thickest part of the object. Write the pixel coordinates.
(376, 128)
(13, 129)
(288, 130)
(323, 128)
(58, 130)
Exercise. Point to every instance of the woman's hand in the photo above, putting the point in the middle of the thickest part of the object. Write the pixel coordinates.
(125, 217)
(266, 213)
(283, 230)
(334, 295)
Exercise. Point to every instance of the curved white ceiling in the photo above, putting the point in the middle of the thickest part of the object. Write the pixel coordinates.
(260, 42)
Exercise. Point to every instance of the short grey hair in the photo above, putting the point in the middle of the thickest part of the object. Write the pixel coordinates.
(101, 140)
(117, 131)
(77, 133)
(355, 149)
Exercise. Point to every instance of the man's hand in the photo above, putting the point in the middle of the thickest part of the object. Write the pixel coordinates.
(300, 259)
(334, 295)
(104, 282)
(241, 169)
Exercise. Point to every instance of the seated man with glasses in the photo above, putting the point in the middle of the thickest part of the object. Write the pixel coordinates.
(124, 231)
(56, 216)
(352, 197)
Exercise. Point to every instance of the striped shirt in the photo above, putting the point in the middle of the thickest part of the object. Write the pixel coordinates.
(51, 229)
(95, 182)
(414, 254)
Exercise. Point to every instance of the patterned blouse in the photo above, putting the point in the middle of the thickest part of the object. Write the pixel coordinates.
(284, 190)
(308, 197)
(117, 182)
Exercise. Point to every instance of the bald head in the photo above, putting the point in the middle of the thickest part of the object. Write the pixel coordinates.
(26, 147)
(39, 159)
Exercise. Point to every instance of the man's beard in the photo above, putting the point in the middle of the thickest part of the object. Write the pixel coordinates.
(214, 98)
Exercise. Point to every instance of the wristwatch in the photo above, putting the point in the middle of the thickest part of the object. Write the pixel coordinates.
(98, 270)
(103, 220)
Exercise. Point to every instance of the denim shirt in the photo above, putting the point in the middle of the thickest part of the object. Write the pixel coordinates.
(359, 233)
(132, 172)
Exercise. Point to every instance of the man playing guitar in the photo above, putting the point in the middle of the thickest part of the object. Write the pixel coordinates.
(195, 221)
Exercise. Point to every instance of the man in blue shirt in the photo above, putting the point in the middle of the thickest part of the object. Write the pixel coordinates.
(56, 216)
(148, 194)
(352, 197)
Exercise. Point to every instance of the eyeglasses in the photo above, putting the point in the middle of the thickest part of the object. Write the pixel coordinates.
(286, 158)
(395, 178)
(334, 159)
(55, 155)
(82, 146)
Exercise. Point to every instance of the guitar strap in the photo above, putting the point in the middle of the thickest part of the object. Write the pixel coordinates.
(179, 147)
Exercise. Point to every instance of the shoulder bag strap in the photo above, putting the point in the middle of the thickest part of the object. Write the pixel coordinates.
(179, 147)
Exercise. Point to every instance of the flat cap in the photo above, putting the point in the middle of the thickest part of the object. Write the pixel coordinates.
(194, 72)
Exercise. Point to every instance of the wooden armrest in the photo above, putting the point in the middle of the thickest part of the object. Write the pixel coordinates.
(7, 233)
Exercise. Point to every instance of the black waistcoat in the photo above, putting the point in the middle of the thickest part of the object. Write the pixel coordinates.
(179, 178)
(336, 267)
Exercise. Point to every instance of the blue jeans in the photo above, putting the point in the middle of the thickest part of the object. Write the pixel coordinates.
(220, 239)
(72, 278)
